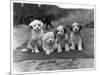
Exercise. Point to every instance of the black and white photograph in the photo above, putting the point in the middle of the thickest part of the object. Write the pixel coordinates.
(52, 37)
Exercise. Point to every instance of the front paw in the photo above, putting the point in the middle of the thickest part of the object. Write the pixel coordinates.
(52, 50)
(59, 50)
(47, 52)
(44, 49)
(24, 50)
(37, 51)
(32, 51)
(72, 48)
(80, 49)
(67, 49)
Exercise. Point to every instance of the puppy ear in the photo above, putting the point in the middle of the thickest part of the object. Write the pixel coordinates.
(80, 27)
(55, 33)
(30, 25)
(65, 31)
(71, 28)
(42, 24)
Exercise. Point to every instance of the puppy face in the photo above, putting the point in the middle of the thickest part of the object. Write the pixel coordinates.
(50, 40)
(76, 27)
(36, 25)
(60, 30)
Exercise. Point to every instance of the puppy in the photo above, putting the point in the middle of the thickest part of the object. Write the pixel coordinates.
(36, 34)
(49, 42)
(62, 38)
(76, 37)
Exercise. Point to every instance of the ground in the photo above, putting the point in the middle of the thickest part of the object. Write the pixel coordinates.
(53, 64)
(30, 62)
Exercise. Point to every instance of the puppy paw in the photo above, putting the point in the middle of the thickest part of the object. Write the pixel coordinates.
(67, 49)
(47, 52)
(37, 51)
(32, 51)
(59, 50)
(72, 48)
(24, 50)
(52, 50)
(44, 49)
(80, 49)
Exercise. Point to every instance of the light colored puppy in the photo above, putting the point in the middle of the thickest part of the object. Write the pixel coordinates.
(49, 42)
(36, 34)
(76, 37)
(62, 38)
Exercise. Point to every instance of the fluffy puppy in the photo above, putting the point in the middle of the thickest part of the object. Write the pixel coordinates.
(62, 38)
(49, 42)
(36, 34)
(76, 37)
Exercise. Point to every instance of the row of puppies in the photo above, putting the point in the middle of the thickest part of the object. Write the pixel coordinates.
(57, 39)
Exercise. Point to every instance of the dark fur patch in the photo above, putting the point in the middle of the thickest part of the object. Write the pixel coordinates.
(65, 31)
(55, 33)
(71, 28)
(31, 27)
(80, 27)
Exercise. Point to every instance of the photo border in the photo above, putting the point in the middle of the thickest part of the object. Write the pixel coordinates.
(51, 3)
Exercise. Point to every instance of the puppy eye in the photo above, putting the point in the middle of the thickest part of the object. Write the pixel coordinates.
(61, 31)
(38, 24)
(35, 25)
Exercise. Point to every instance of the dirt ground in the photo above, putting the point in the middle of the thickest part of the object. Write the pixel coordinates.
(52, 64)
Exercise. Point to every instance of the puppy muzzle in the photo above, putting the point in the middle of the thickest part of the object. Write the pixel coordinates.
(59, 33)
(51, 42)
(37, 29)
(76, 30)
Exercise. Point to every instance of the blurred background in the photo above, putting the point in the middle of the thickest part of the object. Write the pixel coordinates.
(24, 13)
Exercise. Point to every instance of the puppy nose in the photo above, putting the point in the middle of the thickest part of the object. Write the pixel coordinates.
(76, 29)
(37, 28)
(50, 40)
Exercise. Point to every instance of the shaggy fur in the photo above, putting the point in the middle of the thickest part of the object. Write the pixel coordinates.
(49, 42)
(36, 35)
(76, 37)
(62, 38)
